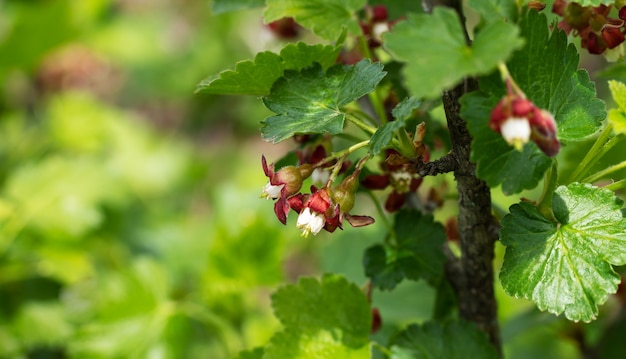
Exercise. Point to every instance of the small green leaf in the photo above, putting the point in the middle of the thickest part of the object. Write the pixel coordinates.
(437, 55)
(617, 117)
(418, 253)
(332, 305)
(310, 101)
(450, 340)
(256, 77)
(222, 6)
(316, 345)
(405, 108)
(326, 319)
(326, 18)
(565, 267)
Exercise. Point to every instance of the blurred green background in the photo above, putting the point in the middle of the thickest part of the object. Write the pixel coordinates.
(130, 218)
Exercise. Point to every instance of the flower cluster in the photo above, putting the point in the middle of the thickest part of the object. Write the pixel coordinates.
(599, 33)
(324, 208)
(518, 120)
(399, 174)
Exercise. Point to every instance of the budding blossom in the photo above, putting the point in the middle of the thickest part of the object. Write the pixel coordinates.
(518, 120)
(282, 185)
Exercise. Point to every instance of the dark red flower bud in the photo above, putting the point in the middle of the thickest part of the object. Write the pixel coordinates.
(612, 36)
(285, 28)
(377, 321)
(594, 44)
(622, 13)
(379, 13)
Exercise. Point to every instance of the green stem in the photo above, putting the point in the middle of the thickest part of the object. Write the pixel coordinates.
(616, 186)
(360, 124)
(549, 185)
(382, 349)
(605, 172)
(594, 154)
(342, 153)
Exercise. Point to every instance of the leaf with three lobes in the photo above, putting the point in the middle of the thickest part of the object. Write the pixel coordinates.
(617, 116)
(418, 253)
(257, 77)
(565, 267)
(384, 134)
(546, 70)
(433, 340)
(328, 318)
(310, 101)
(436, 52)
(326, 18)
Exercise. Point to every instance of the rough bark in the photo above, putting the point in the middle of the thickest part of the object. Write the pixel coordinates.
(474, 284)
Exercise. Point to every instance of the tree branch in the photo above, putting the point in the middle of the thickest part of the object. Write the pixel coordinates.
(475, 292)
(444, 164)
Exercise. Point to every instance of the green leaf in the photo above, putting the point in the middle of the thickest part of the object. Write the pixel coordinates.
(405, 108)
(417, 255)
(565, 267)
(326, 18)
(332, 305)
(546, 70)
(318, 345)
(256, 77)
(450, 340)
(436, 52)
(222, 6)
(617, 117)
(497, 162)
(384, 134)
(310, 101)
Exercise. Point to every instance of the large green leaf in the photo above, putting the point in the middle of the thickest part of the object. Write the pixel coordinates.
(256, 77)
(450, 340)
(310, 101)
(326, 18)
(565, 267)
(418, 253)
(546, 70)
(328, 318)
(436, 52)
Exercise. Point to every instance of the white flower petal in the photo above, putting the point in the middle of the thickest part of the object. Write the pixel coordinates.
(310, 222)
(516, 131)
(272, 192)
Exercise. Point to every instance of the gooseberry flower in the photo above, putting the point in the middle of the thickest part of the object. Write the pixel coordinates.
(518, 120)
(399, 174)
(282, 185)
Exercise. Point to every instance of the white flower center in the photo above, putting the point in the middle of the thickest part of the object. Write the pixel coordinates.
(272, 192)
(401, 181)
(516, 131)
(310, 222)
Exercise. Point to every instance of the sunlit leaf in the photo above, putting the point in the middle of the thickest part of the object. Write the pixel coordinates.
(450, 340)
(436, 52)
(565, 267)
(310, 101)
